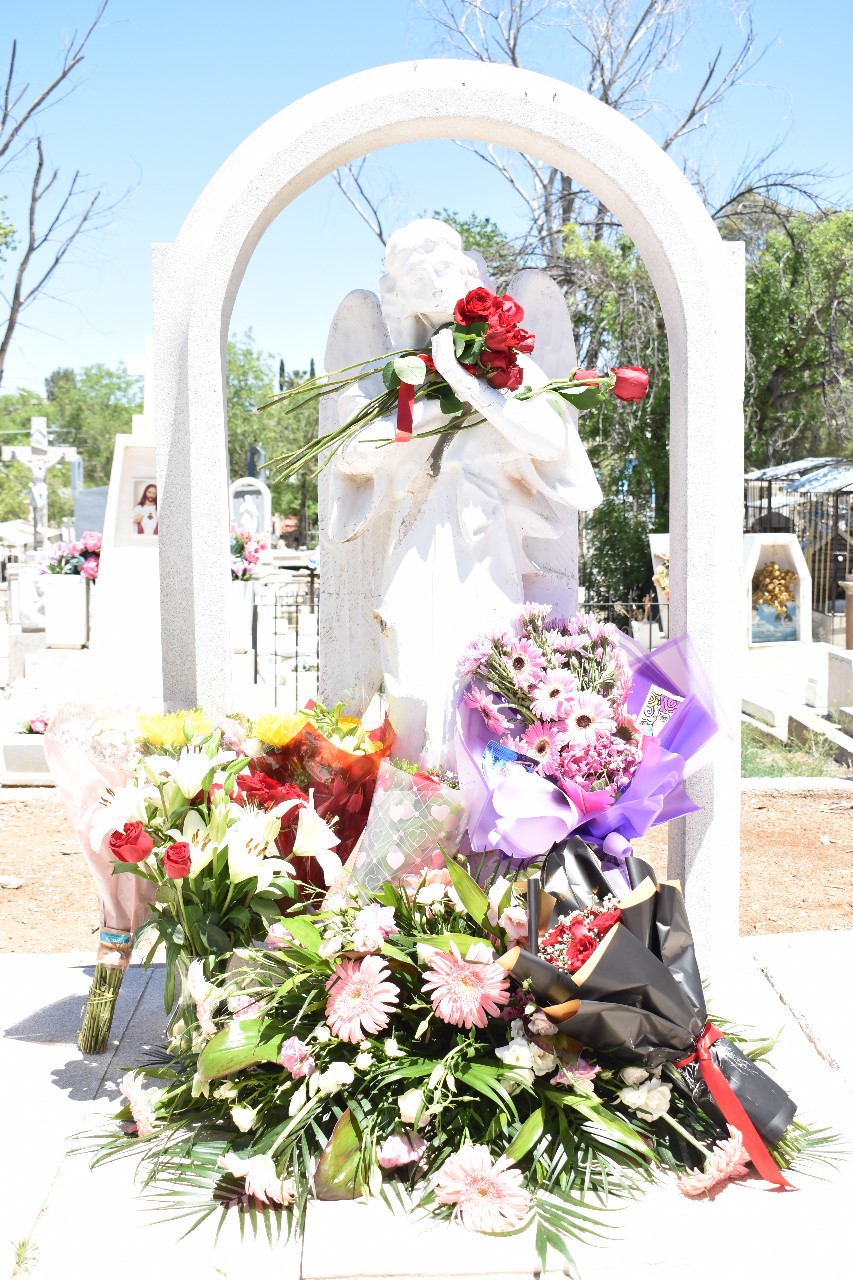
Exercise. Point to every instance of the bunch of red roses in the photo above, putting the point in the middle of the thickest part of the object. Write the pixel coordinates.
(574, 939)
(488, 337)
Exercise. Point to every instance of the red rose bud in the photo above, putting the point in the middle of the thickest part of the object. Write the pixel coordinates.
(176, 860)
(632, 383)
(586, 375)
(509, 377)
(476, 306)
(131, 845)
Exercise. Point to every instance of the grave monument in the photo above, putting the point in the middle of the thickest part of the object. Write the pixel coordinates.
(699, 279)
(38, 455)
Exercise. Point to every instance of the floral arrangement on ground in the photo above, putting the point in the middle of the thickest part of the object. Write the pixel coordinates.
(379, 1046)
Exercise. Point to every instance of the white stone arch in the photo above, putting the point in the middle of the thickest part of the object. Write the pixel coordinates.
(699, 281)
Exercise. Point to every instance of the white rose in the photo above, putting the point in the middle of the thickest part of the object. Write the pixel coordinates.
(330, 946)
(518, 1053)
(392, 1049)
(335, 1077)
(363, 1061)
(410, 1103)
(431, 893)
(583, 1086)
(633, 1076)
(226, 1091)
(321, 1034)
(516, 1029)
(334, 903)
(244, 1117)
(650, 1100)
(497, 892)
(541, 1060)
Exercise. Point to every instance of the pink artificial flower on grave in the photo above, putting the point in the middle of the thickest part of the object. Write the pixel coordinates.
(524, 663)
(38, 724)
(372, 926)
(142, 1103)
(483, 702)
(465, 993)
(542, 742)
(589, 716)
(91, 541)
(551, 698)
(728, 1159)
(89, 568)
(487, 1195)
(295, 1057)
(400, 1149)
(361, 998)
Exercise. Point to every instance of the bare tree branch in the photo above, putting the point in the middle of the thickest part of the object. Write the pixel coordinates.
(349, 181)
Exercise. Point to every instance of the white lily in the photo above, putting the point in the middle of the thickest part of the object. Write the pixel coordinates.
(248, 847)
(195, 833)
(315, 839)
(122, 806)
(189, 770)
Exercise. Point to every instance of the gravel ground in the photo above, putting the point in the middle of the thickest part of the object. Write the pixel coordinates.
(796, 867)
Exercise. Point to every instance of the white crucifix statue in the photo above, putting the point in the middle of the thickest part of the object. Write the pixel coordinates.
(38, 455)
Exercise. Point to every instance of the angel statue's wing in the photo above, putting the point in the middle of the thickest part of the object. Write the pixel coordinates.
(554, 576)
(351, 507)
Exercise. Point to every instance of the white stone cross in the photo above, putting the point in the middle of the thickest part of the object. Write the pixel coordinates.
(39, 455)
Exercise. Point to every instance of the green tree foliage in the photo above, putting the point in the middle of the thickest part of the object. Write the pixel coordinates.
(799, 309)
(88, 409)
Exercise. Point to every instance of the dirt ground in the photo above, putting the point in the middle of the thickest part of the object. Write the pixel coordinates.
(796, 868)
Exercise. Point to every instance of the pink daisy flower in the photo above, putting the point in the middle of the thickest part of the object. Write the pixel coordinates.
(483, 702)
(486, 1195)
(728, 1159)
(524, 663)
(590, 715)
(550, 698)
(360, 998)
(542, 742)
(465, 993)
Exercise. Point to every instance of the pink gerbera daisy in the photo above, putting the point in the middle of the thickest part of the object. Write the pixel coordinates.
(360, 998)
(551, 696)
(542, 742)
(589, 716)
(487, 1195)
(729, 1159)
(524, 662)
(476, 697)
(465, 993)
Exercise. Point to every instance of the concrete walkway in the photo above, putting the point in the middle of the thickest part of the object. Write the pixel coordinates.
(88, 1224)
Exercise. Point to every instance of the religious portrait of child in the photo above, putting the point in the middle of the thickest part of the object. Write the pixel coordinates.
(143, 518)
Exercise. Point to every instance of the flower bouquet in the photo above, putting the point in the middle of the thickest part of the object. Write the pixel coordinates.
(81, 558)
(245, 554)
(331, 757)
(621, 976)
(487, 340)
(381, 1050)
(184, 825)
(414, 814)
(565, 726)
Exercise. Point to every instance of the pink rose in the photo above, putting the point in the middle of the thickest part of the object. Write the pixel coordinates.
(38, 724)
(400, 1149)
(514, 921)
(89, 568)
(295, 1057)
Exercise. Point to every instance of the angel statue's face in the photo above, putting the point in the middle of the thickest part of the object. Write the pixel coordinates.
(427, 272)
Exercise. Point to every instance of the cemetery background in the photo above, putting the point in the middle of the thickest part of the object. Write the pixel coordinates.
(87, 407)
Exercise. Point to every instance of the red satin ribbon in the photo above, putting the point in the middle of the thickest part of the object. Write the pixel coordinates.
(405, 406)
(731, 1107)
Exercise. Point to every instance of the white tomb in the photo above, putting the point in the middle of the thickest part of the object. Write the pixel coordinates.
(699, 279)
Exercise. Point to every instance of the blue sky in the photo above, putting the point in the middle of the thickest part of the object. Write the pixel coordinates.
(170, 87)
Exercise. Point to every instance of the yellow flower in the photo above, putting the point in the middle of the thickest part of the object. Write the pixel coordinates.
(174, 730)
(276, 730)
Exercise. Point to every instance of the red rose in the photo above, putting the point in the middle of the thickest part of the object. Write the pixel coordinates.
(428, 361)
(261, 790)
(476, 306)
(513, 310)
(605, 920)
(131, 845)
(632, 383)
(176, 860)
(580, 950)
(499, 333)
(510, 377)
(586, 375)
(524, 341)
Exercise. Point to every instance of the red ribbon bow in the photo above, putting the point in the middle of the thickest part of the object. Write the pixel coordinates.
(731, 1107)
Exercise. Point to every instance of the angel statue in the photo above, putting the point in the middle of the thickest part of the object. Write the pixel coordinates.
(429, 543)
